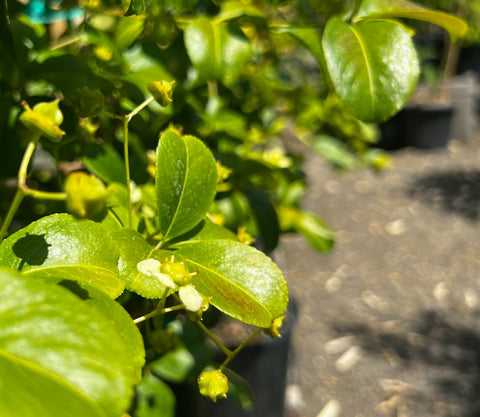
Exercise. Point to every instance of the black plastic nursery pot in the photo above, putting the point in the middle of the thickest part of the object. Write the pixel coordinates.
(426, 126)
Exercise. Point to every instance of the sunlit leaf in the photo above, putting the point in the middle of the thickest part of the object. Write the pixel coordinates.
(373, 9)
(373, 66)
(58, 355)
(186, 182)
(60, 245)
(242, 281)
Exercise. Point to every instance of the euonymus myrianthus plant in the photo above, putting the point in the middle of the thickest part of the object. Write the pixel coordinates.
(137, 138)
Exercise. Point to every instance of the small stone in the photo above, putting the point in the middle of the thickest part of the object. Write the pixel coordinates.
(349, 359)
(471, 298)
(362, 187)
(333, 285)
(440, 292)
(397, 227)
(331, 409)
(339, 345)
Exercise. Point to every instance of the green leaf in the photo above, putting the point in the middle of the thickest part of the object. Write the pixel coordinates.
(374, 9)
(186, 182)
(216, 49)
(334, 151)
(317, 234)
(373, 66)
(119, 320)
(175, 365)
(137, 7)
(60, 245)
(154, 398)
(242, 281)
(127, 31)
(58, 355)
(105, 162)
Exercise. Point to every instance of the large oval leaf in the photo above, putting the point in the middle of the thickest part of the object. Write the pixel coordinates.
(186, 182)
(60, 245)
(373, 66)
(374, 9)
(216, 49)
(58, 355)
(242, 281)
(119, 320)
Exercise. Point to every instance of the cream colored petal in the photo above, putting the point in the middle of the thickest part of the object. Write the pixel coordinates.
(190, 298)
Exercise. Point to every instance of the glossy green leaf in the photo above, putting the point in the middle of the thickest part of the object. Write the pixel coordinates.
(154, 398)
(128, 30)
(105, 162)
(58, 355)
(175, 365)
(119, 320)
(374, 9)
(216, 49)
(242, 281)
(317, 234)
(186, 182)
(373, 66)
(60, 245)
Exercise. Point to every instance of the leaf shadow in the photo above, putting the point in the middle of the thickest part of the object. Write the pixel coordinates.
(456, 191)
(31, 249)
(445, 350)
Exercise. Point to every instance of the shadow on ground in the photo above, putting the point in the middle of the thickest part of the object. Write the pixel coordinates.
(445, 350)
(454, 191)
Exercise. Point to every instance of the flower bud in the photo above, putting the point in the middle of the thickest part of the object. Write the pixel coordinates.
(88, 103)
(44, 119)
(161, 91)
(213, 384)
(273, 330)
(177, 271)
(86, 194)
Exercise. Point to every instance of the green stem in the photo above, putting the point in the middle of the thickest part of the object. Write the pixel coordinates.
(21, 184)
(126, 120)
(19, 195)
(232, 355)
(138, 109)
(127, 170)
(215, 340)
(45, 195)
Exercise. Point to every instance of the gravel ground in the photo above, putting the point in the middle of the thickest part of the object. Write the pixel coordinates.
(388, 322)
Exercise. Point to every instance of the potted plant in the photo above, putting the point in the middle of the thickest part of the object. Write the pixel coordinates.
(113, 250)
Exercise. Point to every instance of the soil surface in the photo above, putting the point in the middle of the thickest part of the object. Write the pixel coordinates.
(388, 322)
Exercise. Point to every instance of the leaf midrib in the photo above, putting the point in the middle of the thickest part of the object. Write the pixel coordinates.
(187, 169)
(240, 288)
(367, 66)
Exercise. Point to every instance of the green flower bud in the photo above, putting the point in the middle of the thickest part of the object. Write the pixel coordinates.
(86, 194)
(44, 119)
(177, 271)
(163, 340)
(161, 91)
(273, 330)
(88, 103)
(213, 384)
